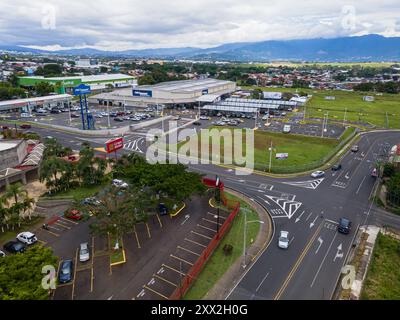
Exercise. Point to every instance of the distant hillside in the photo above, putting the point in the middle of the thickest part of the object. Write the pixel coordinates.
(351, 49)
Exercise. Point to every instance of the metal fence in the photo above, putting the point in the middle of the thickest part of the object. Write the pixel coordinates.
(195, 270)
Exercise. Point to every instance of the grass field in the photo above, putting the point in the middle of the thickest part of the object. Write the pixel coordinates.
(383, 278)
(351, 105)
(77, 194)
(219, 263)
(305, 153)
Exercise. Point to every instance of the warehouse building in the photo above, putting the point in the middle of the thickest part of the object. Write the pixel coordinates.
(96, 82)
(26, 105)
(174, 93)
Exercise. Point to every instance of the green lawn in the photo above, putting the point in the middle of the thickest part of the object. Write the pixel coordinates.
(357, 110)
(78, 193)
(219, 263)
(383, 278)
(305, 153)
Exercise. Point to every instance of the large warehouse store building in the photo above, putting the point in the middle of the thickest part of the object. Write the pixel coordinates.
(96, 82)
(186, 92)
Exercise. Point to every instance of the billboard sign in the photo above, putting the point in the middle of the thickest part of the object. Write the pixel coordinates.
(282, 156)
(142, 93)
(82, 89)
(114, 145)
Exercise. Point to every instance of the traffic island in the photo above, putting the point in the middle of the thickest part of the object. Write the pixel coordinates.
(227, 263)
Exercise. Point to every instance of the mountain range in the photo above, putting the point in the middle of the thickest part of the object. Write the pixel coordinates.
(352, 49)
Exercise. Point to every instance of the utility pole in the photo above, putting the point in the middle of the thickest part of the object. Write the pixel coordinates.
(270, 157)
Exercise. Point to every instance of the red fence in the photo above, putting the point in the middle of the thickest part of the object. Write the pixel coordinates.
(201, 261)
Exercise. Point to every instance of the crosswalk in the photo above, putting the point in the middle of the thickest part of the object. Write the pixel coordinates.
(311, 184)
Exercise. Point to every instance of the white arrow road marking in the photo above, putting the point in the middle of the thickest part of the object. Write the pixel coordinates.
(187, 217)
(312, 224)
(311, 184)
(299, 217)
(320, 244)
(110, 298)
(347, 176)
(339, 253)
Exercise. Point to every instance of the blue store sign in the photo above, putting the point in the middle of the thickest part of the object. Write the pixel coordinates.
(82, 89)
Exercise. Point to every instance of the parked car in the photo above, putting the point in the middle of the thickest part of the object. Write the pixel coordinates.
(41, 111)
(344, 226)
(204, 118)
(337, 167)
(73, 115)
(126, 118)
(104, 114)
(283, 240)
(120, 114)
(84, 254)
(119, 183)
(98, 116)
(14, 247)
(75, 108)
(73, 214)
(318, 174)
(66, 271)
(25, 126)
(91, 201)
(113, 114)
(118, 119)
(55, 111)
(27, 237)
(354, 148)
(162, 209)
(25, 115)
(2, 254)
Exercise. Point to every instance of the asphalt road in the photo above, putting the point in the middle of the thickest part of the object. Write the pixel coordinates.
(305, 207)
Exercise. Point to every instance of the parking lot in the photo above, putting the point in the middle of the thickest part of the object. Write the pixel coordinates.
(163, 248)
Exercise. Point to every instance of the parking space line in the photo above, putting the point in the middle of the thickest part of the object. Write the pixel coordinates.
(62, 222)
(62, 218)
(148, 230)
(165, 280)
(53, 233)
(61, 225)
(159, 220)
(199, 225)
(187, 250)
(199, 244)
(214, 222)
(177, 271)
(73, 282)
(152, 290)
(213, 214)
(180, 259)
(137, 238)
(201, 235)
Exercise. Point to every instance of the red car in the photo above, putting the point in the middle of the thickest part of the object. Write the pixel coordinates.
(73, 215)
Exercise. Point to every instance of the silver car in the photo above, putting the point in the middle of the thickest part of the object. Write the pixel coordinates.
(84, 254)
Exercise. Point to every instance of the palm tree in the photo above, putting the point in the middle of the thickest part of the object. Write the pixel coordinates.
(28, 203)
(15, 191)
(49, 170)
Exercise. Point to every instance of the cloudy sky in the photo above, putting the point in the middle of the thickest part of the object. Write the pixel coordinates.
(139, 24)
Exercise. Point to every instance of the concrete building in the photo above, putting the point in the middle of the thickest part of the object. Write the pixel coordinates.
(96, 82)
(28, 104)
(174, 93)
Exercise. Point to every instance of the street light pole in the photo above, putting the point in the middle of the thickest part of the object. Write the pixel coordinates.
(270, 157)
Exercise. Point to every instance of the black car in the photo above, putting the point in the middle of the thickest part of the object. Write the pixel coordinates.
(344, 226)
(197, 123)
(66, 271)
(56, 111)
(336, 167)
(14, 247)
(119, 119)
(162, 209)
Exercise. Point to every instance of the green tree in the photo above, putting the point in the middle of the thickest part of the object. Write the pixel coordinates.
(15, 191)
(44, 88)
(50, 170)
(21, 274)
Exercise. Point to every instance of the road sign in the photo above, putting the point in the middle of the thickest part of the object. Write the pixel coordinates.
(114, 145)
(81, 90)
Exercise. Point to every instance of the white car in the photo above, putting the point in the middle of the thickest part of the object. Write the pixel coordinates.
(25, 115)
(204, 118)
(84, 254)
(75, 108)
(27, 238)
(2, 254)
(283, 241)
(104, 114)
(119, 183)
(318, 174)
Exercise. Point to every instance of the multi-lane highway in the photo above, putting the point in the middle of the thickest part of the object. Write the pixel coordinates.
(309, 209)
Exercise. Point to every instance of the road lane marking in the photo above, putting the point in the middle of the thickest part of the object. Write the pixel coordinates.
(359, 187)
(323, 260)
(299, 217)
(259, 286)
(297, 264)
(309, 216)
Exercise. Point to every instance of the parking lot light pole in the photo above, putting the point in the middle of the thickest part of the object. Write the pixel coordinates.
(245, 210)
(270, 157)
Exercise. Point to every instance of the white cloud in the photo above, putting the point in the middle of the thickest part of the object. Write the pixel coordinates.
(137, 24)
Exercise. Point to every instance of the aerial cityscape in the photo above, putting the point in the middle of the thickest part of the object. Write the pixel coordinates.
(212, 151)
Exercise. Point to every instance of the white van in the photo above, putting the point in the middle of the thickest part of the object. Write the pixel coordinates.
(286, 128)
